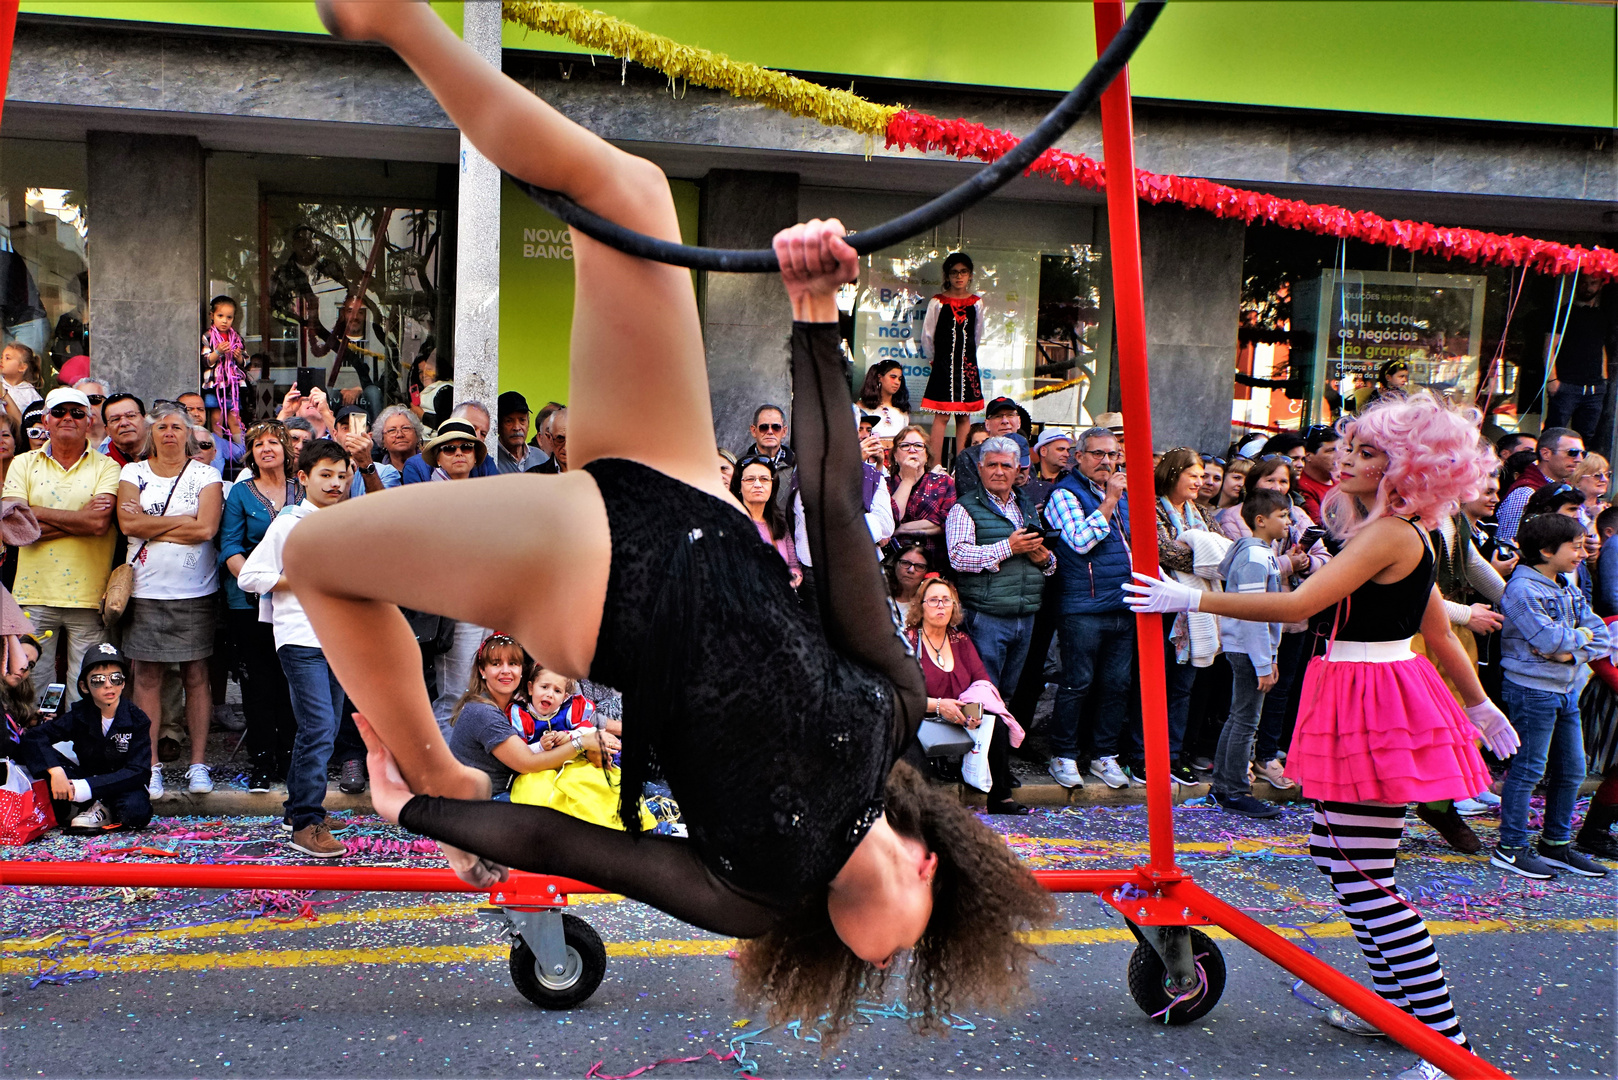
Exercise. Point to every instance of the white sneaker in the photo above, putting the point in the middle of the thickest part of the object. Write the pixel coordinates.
(154, 786)
(95, 816)
(1108, 771)
(1423, 1070)
(1471, 807)
(1487, 798)
(199, 781)
(1066, 772)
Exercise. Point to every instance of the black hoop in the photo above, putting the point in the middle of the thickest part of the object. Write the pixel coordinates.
(980, 186)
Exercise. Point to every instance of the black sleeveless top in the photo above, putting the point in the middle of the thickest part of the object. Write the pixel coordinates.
(1393, 611)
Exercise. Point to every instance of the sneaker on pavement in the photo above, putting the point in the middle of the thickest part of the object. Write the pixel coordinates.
(228, 719)
(154, 786)
(1489, 799)
(258, 780)
(353, 778)
(1456, 833)
(1563, 857)
(1247, 806)
(1603, 845)
(1107, 770)
(1423, 1070)
(317, 840)
(1271, 772)
(1137, 775)
(95, 818)
(198, 780)
(1471, 807)
(1343, 1020)
(1202, 764)
(1065, 771)
(1182, 774)
(1522, 862)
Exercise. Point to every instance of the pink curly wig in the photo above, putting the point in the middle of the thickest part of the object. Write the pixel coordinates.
(1436, 461)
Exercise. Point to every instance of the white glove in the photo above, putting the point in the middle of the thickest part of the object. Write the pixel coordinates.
(1498, 734)
(1147, 594)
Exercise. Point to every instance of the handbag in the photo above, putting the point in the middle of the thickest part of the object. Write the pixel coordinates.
(121, 582)
(25, 808)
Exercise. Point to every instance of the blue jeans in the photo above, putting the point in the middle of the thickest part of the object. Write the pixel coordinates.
(1577, 407)
(1553, 748)
(1236, 740)
(1097, 652)
(1002, 643)
(317, 701)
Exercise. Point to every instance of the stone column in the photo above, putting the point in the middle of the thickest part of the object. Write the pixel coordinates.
(146, 261)
(1192, 266)
(747, 324)
(477, 245)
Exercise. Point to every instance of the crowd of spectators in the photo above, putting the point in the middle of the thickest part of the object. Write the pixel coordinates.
(1008, 563)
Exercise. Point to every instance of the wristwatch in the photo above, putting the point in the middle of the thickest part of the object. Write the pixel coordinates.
(368, 470)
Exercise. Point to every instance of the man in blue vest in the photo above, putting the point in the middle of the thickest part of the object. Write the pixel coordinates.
(1089, 510)
(996, 548)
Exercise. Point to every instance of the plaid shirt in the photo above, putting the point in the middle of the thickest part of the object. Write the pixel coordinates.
(970, 557)
(930, 500)
(1079, 532)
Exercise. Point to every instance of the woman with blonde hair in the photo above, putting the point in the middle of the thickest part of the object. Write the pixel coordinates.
(1592, 479)
(951, 665)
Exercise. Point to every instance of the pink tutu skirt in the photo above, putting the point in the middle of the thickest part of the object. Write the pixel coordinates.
(1382, 733)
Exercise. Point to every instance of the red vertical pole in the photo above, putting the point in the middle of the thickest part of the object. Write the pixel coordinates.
(1123, 220)
(8, 29)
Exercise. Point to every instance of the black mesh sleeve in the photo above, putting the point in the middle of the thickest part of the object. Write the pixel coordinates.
(661, 871)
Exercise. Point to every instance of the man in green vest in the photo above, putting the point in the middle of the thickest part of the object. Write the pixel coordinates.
(1001, 560)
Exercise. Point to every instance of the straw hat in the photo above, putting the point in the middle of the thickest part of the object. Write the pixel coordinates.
(449, 431)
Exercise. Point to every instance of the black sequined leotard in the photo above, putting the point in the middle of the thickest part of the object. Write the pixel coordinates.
(775, 731)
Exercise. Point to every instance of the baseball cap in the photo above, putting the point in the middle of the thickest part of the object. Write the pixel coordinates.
(104, 653)
(1000, 405)
(65, 395)
(510, 402)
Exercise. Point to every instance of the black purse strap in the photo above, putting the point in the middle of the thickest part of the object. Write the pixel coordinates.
(133, 555)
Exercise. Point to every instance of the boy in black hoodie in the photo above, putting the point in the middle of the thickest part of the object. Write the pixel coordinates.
(113, 742)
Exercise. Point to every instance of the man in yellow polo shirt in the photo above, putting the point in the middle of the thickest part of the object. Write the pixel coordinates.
(71, 490)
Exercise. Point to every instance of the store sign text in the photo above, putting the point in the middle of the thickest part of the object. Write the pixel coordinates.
(547, 243)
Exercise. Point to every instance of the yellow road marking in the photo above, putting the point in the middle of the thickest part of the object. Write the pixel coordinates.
(460, 954)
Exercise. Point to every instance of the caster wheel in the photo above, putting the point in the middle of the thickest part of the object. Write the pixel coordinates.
(1149, 987)
(583, 971)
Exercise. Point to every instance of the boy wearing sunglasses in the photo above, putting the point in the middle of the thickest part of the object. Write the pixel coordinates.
(112, 743)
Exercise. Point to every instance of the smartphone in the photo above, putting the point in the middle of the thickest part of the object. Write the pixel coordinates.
(357, 424)
(309, 378)
(972, 710)
(51, 700)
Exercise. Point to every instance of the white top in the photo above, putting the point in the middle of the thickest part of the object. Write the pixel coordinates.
(263, 569)
(878, 518)
(22, 394)
(164, 570)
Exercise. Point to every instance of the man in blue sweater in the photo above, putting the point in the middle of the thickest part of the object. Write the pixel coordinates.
(1550, 632)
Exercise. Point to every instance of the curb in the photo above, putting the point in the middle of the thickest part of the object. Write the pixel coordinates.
(237, 803)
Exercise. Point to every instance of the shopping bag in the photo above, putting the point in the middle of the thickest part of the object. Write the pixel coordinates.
(975, 765)
(25, 808)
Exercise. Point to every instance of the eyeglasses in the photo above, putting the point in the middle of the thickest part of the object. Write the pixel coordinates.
(96, 399)
(912, 564)
(458, 448)
(61, 412)
(1104, 455)
(936, 601)
(754, 459)
(910, 446)
(761, 481)
(115, 678)
(1209, 459)
(771, 429)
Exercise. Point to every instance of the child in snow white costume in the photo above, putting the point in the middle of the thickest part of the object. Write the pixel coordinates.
(1378, 729)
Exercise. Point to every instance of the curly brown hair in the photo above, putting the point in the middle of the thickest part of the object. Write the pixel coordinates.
(971, 951)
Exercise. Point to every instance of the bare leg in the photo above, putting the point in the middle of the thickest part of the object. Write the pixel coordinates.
(198, 706)
(936, 439)
(146, 693)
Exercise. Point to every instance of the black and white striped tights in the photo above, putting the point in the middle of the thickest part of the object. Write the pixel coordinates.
(1357, 846)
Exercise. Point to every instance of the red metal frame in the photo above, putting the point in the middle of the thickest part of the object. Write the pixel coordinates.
(1156, 890)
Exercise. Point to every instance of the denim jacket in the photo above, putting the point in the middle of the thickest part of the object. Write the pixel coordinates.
(1544, 617)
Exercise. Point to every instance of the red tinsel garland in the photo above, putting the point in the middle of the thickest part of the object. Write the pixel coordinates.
(964, 139)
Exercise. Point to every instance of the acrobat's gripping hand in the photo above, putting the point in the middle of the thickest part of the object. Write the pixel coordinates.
(1147, 594)
(1498, 734)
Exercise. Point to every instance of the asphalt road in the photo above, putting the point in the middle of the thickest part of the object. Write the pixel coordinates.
(387, 985)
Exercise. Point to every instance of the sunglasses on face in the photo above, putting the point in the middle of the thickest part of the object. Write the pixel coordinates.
(771, 429)
(115, 678)
(1574, 452)
(96, 399)
(61, 412)
(204, 446)
(459, 448)
(37, 433)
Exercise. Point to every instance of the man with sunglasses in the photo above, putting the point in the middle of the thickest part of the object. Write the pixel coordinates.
(71, 490)
(769, 432)
(112, 747)
(555, 428)
(1560, 450)
(95, 393)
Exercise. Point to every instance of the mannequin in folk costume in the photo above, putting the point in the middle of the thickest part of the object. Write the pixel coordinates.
(950, 334)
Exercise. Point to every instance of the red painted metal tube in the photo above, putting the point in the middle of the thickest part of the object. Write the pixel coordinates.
(1129, 303)
(186, 876)
(1410, 1032)
(8, 29)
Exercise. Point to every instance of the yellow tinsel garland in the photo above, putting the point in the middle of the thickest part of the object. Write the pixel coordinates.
(794, 96)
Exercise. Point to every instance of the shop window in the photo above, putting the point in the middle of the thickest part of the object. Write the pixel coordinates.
(44, 279)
